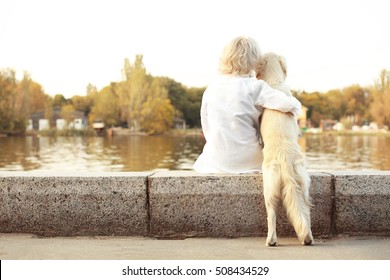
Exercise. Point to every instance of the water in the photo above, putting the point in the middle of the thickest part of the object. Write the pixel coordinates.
(140, 153)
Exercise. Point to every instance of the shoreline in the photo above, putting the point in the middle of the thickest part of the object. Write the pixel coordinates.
(348, 133)
(179, 132)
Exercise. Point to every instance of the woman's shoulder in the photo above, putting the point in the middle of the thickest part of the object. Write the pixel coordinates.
(254, 84)
(231, 83)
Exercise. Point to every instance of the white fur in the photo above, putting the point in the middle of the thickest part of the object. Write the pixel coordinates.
(284, 174)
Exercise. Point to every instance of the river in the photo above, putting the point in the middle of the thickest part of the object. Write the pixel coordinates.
(145, 153)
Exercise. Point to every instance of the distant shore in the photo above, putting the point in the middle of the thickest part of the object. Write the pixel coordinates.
(348, 132)
(176, 132)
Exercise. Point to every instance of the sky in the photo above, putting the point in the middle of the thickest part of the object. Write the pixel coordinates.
(66, 44)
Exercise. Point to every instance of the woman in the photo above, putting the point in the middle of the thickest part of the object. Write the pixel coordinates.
(230, 111)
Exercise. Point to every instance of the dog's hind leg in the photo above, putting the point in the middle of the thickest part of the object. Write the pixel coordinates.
(297, 204)
(271, 183)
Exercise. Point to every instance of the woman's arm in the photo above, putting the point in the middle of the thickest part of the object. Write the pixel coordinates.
(277, 100)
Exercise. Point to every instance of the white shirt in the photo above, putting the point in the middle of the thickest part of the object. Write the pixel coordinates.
(230, 111)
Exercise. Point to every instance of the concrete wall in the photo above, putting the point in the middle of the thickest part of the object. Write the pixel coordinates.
(65, 205)
(179, 204)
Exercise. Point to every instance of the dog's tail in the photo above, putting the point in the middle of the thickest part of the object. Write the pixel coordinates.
(295, 196)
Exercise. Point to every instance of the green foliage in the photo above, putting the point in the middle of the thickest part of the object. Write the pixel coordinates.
(186, 101)
(192, 104)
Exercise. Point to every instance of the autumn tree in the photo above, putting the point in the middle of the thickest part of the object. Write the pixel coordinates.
(336, 106)
(381, 99)
(10, 121)
(143, 99)
(358, 100)
(106, 106)
(157, 111)
(351, 102)
(59, 100)
(33, 95)
(316, 104)
(82, 103)
(383, 82)
(133, 92)
(91, 90)
(67, 113)
(18, 99)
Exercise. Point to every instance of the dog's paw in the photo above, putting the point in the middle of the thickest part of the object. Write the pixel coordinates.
(271, 243)
(308, 241)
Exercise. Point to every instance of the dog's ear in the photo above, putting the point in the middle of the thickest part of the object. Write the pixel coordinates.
(283, 65)
(260, 68)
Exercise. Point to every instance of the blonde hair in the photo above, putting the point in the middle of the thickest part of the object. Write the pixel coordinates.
(240, 57)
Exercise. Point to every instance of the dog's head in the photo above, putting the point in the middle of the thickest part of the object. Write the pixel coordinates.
(272, 68)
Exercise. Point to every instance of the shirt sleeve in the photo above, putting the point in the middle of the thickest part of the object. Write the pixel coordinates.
(277, 100)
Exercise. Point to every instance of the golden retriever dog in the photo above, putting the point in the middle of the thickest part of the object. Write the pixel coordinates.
(284, 173)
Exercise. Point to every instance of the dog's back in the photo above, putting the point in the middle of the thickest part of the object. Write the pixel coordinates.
(284, 173)
(278, 130)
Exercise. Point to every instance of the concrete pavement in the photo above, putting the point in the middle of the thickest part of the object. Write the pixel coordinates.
(31, 247)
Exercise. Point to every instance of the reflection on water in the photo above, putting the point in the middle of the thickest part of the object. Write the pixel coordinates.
(139, 153)
(132, 153)
(341, 152)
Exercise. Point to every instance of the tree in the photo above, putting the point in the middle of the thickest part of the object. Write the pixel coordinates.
(192, 106)
(91, 90)
(33, 95)
(106, 106)
(157, 111)
(186, 101)
(381, 99)
(316, 104)
(336, 104)
(59, 100)
(10, 120)
(133, 92)
(18, 99)
(143, 99)
(383, 82)
(67, 113)
(82, 103)
(358, 101)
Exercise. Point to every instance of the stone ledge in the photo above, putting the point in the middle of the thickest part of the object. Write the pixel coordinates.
(67, 205)
(179, 204)
(192, 204)
(362, 202)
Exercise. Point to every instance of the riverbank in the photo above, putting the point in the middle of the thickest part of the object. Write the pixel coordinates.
(89, 132)
(349, 132)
